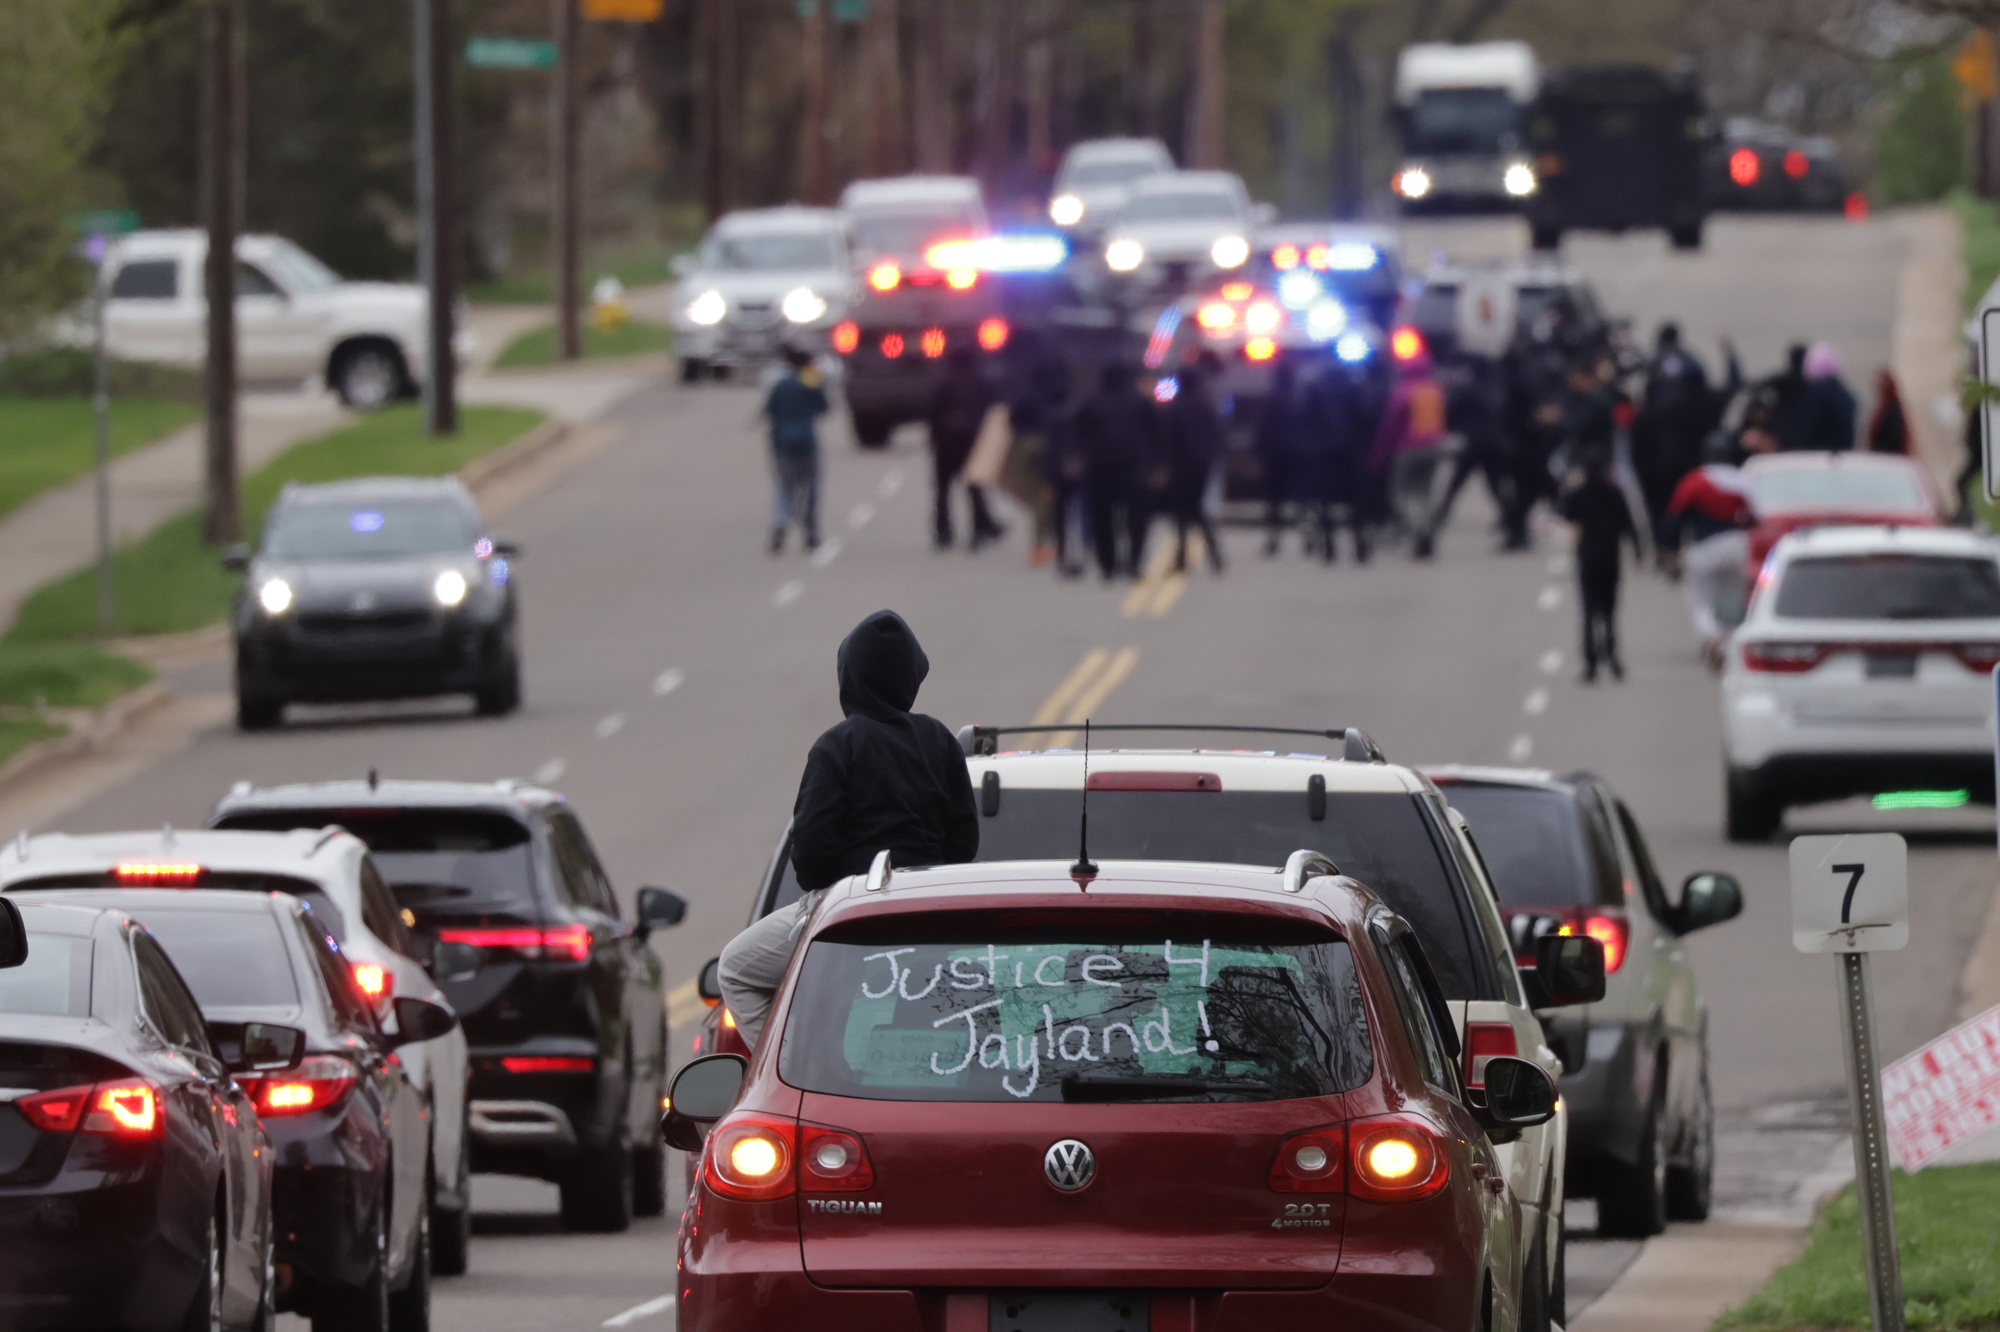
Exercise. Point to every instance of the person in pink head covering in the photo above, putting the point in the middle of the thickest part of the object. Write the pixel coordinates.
(1410, 443)
(1826, 410)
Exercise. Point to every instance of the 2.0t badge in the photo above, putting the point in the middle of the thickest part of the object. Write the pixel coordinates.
(1070, 1165)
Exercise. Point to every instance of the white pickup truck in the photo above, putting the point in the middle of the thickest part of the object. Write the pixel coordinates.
(296, 319)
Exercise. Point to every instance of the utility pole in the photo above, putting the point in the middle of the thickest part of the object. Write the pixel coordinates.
(933, 88)
(1143, 94)
(1344, 72)
(222, 103)
(437, 208)
(719, 102)
(1209, 73)
(882, 59)
(568, 174)
(815, 173)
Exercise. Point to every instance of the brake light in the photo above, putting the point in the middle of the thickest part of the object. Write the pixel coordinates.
(1262, 317)
(892, 345)
(933, 342)
(1260, 349)
(960, 279)
(1484, 1041)
(993, 333)
(1784, 658)
(728, 1020)
(548, 1063)
(749, 1157)
(1796, 164)
(1980, 657)
(833, 1161)
(571, 942)
(885, 277)
(1236, 291)
(1744, 168)
(1316, 257)
(1311, 1162)
(1406, 344)
(1609, 928)
(1285, 257)
(178, 876)
(1395, 1159)
(1216, 316)
(846, 337)
(320, 1082)
(373, 980)
(128, 1109)
(55, 1111)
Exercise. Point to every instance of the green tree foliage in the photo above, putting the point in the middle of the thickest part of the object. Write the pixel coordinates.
(1920, 155)
(50, 67)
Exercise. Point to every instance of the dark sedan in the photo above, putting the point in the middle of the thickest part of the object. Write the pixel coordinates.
(135, 1177)
(348, 1127)
(383, 588)
(564, 1009)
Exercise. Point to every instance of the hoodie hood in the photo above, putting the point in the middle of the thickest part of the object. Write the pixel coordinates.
(880, 666)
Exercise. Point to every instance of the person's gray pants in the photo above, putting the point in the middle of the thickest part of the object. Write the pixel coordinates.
(753, 964)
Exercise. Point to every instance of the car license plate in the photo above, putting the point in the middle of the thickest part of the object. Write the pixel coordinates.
(1892, 665)
(1065, 1311)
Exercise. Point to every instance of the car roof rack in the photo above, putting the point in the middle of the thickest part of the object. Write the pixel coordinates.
(1356, 747)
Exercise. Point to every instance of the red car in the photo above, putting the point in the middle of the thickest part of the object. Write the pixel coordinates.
(1158, 1095)
(1789, 491)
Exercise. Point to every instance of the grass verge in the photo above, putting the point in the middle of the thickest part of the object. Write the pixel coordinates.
(17, 735)
(1948, 1231)
(1980, 223)
(65, 675)
(170, 582)
(636, 263)
(632, 338)
(47, 441)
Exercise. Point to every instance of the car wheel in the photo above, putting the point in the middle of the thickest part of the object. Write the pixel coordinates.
(649, 1181)
(597, 1191)
(369, 375)
(693, 369)
(1691, 1181)
(501, 693)
(1535, 1315)
(1559, 1278)
(266, 1319)
(205, 1309)
(451, 1232)
(1632, 1201)
(1686, 238)
(410, 1307)
(1749, 815)
(258, 712)
(1546, 238)
(872, 429)
(363, 1308)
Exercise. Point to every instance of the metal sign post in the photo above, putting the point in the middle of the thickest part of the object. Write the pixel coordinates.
(1851, 897)
(1988, 409)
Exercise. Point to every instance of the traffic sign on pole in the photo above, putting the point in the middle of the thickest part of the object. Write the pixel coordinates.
(509, 53)
(1851, 897)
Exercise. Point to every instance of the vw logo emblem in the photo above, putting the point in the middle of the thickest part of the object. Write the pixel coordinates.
(1070, 1165)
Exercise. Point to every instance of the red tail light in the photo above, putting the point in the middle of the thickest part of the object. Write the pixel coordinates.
(548, 1063)
(993, 334)
(1406, 344)
(1784, 658)
(129, 1109)
(892, 345)
(1285, 257)
(1610, 928)
(1316, 257)
(885, 277)
(1980, 657)
(1744, 168)
(1484, 1041)
(933, 342)
(167, 876)
(846, 337)
(749, 1157)
(55, 1111)
(1395, 1159)
(319, 1083)
(1856, 207)
(569, 942)
(1312, 1162)
(1796, 164)
(833, 1160)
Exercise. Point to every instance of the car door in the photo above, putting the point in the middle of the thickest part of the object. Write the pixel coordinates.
(586, 892)
(1673, 986)
(644, 990)
(277, 338)
(153, 311)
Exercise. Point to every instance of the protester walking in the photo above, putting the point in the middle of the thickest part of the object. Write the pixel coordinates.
(1194, 440)
(1035, 414)
(1825, 417)
(793, 407)
(1595, 507)
(1335, 443)
(1476, 411)
(1278, 448)
(1409, 445)
(1707, 524)
(1118, 432)
(1888, 427)
(958, 407)
(1676, 411)
(1788, 391)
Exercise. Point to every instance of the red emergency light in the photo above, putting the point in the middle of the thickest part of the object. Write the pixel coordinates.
(1796, 164)
(1744, 167)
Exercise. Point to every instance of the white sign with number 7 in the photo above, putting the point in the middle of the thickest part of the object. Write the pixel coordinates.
(1850, 893)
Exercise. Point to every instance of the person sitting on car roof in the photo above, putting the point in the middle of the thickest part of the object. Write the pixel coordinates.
(884, 779)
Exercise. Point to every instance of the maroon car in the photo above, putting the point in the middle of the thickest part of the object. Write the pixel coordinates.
(1162, 1096)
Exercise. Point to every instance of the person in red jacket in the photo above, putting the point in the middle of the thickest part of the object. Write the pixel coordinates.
(1708, 520)
(1408, 446)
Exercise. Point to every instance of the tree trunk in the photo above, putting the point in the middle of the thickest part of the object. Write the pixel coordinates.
(933, 88)
(815, 172)
(719, 77)
(1205, 150)
(1344, 74)
(882, 62)
(1144, 89)
(568, 174)
(1038, 86)
(222, 104)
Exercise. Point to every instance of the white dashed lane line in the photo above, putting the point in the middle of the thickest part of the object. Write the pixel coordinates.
(1522, 748)
(789, 593)
(1551, 597)
(551, 772)
(610, 726)
(638, 1311)
(858, 516)
(1551, 662)
(1536, 703)
(890, 483)
(668, 680)
(828, 552)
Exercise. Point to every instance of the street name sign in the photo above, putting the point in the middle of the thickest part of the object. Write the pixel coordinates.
(1944, 1093)
(1850, 893)
(509, 53)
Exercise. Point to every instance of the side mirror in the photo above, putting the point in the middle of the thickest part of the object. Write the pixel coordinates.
(420, 1020)
(1707, 899)
(236, 557)
(1569, 969)
(257, 1047)
(702, 1092)
(1519, 1095)
(14, 936)
(709, 986)
(454, 961)
(507, 548)
(659, 909)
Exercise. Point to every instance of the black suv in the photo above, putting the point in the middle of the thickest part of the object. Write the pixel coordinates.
(389, 587)
(564, 1012)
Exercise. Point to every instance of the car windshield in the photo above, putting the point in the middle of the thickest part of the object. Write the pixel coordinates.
(438, 862)
(230, 959)
(1125, 1016)
(1780, 490)
(908, 228)
(1890, 587)
(298, 271)
(53, 982)
(772, 251)
(1180, 206)
(1461, 120)
(364, 529)
(1109, 171)
(1532, 842)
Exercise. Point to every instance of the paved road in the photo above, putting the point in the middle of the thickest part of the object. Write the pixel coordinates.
(677, 674)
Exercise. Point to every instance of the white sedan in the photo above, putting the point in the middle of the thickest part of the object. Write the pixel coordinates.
(763, 280)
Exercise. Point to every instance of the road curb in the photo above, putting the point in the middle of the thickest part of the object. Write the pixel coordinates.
(103, 724)
(483, 471)
(1683, 1280)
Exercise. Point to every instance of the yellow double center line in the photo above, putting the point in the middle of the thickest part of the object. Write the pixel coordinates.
(1083, 691)
(1162, 585)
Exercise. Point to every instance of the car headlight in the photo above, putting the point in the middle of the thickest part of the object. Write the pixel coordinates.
(1325, 320)
(1262, 317)
(707, 308)
(1519, 180)
(1299, 288)
(1065, 210)
(1122, 256)
(803, 305)
(1413, 182)
(450, 588)
(275, 596)
(1229, 251)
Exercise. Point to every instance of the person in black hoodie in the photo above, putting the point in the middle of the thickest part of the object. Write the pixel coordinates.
(1194, 434)
(884, 779)
(958, 407)
(1118, 434)
(1596, 507)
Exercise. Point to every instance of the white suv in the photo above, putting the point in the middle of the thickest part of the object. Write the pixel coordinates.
(331, 871)
(1862, 668)
(296, 319)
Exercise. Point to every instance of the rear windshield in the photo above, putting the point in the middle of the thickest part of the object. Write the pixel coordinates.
(1532, 841)
(913, 226)
(772, 251)
(1110, 171)
(229, 959)
(1040, 1018)
(247, 881)
(1837, 490)
(1186, 206)
(447, 861)
(53, 982)
(1890, 587)
(369, 530)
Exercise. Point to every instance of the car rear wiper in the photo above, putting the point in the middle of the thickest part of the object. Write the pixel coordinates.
(1084, 1088)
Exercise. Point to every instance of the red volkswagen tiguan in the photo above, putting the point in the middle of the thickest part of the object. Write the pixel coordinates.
(1175, 1097)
